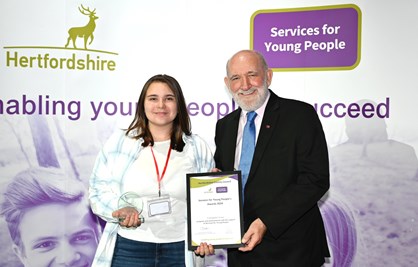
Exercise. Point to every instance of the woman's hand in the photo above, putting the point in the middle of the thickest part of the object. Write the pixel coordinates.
(204, 250)
(128, 217)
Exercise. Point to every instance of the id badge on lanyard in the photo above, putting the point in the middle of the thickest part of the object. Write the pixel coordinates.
(159, 204)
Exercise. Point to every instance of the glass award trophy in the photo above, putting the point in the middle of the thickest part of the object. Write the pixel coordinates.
(133, 200)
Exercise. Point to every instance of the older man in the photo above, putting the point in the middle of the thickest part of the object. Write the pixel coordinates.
(288, 172)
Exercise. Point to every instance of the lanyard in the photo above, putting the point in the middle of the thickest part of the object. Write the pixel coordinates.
(159, 178)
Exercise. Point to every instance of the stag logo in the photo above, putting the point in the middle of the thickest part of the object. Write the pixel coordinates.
(85, 32)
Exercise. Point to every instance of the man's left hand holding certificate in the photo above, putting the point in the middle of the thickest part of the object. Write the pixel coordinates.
(214, 209)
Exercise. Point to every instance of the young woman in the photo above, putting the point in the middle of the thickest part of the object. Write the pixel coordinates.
(150, 158)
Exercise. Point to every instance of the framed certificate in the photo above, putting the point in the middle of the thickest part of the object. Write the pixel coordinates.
(214, 209)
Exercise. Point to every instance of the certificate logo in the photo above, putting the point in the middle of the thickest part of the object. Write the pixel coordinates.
(209, 191)
(222, 189)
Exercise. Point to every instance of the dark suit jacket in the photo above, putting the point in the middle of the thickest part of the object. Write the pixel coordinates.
(289, 174)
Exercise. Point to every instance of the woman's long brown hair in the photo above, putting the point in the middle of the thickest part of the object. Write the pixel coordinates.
(181, 123)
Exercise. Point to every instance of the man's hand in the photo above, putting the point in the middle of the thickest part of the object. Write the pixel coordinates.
(254, 235)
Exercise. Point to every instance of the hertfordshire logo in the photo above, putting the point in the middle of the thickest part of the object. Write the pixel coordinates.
(85, 32)
(76, 59)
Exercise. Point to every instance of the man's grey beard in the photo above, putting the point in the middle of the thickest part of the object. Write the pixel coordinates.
(261, 97)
